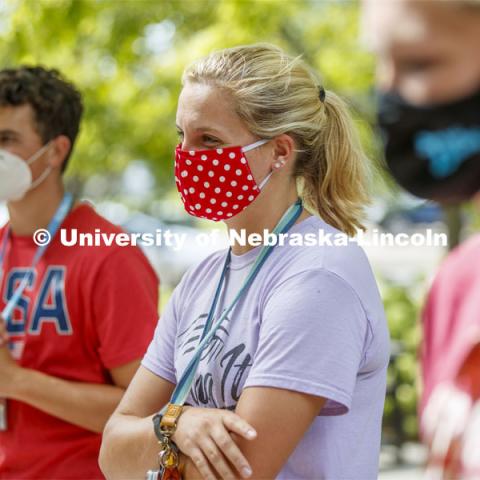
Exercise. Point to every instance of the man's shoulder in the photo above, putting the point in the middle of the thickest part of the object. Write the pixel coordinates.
(458, 277)
(463, 262)
(93, 228)
(84, 217)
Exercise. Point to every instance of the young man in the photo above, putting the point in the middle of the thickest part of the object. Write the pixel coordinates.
(429, 74)
(78, 330)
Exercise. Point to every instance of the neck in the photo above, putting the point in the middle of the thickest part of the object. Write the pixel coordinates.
(36, 209)
(264, 214)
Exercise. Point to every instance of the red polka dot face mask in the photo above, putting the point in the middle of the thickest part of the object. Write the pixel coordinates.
(218, 183)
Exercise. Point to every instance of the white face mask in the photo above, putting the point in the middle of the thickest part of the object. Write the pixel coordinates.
(16, 176)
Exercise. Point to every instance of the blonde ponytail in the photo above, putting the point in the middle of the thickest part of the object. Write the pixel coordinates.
(274, 93)
(334, 176)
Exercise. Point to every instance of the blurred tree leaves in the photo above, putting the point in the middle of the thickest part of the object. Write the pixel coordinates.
(127, 57)
(402, 308)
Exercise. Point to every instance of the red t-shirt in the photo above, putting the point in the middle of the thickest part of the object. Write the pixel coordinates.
(451, 316)
(87, 310)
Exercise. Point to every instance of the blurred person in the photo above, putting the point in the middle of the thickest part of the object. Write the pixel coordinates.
(428, 74)
(77, 319)
(292, 380)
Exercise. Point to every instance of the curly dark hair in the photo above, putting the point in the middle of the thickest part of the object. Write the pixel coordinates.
(56, 103)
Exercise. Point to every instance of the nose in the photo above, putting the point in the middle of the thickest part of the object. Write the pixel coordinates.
(386, 76)
(187, 143)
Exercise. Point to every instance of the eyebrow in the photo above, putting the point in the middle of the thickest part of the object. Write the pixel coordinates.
(205, 129)
(12, 133)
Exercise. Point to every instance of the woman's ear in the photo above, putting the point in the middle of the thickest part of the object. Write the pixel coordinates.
(59, 151)
(283, 151)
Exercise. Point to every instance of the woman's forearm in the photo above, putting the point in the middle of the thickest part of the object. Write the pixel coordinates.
(129, 448)
(129, 445)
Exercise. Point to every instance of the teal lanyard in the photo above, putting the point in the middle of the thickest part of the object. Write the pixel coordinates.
(182, 388)
(52, 228)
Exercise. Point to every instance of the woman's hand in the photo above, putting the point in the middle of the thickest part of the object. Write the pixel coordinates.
(203, 434)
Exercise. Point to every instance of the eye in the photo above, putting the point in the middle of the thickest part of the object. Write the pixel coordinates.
(418, 66)
(6, 139)
(207, 139)
(180, 133)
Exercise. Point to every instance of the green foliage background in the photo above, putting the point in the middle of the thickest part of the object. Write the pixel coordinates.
(127, 56)
(131, 80)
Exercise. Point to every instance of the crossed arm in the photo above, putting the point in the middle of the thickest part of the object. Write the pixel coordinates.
(280, 418)
(87, 405)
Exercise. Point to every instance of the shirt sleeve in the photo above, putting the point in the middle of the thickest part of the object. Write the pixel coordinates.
(159, 358)
(312, 338)
(125, 306)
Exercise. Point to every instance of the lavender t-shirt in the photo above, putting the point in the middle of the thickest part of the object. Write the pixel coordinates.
(312, 322)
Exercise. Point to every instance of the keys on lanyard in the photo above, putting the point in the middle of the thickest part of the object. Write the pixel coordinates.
(6, 313)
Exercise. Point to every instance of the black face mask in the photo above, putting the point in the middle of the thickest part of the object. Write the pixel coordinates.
(433, 152)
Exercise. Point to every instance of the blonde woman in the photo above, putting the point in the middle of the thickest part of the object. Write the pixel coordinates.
(292, 384)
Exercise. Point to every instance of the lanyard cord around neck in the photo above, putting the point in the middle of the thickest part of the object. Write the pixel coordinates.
(3, 250)
(52, 229)
(182, 389)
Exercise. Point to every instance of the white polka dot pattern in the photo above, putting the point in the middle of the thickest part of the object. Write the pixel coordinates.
(210, 179)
